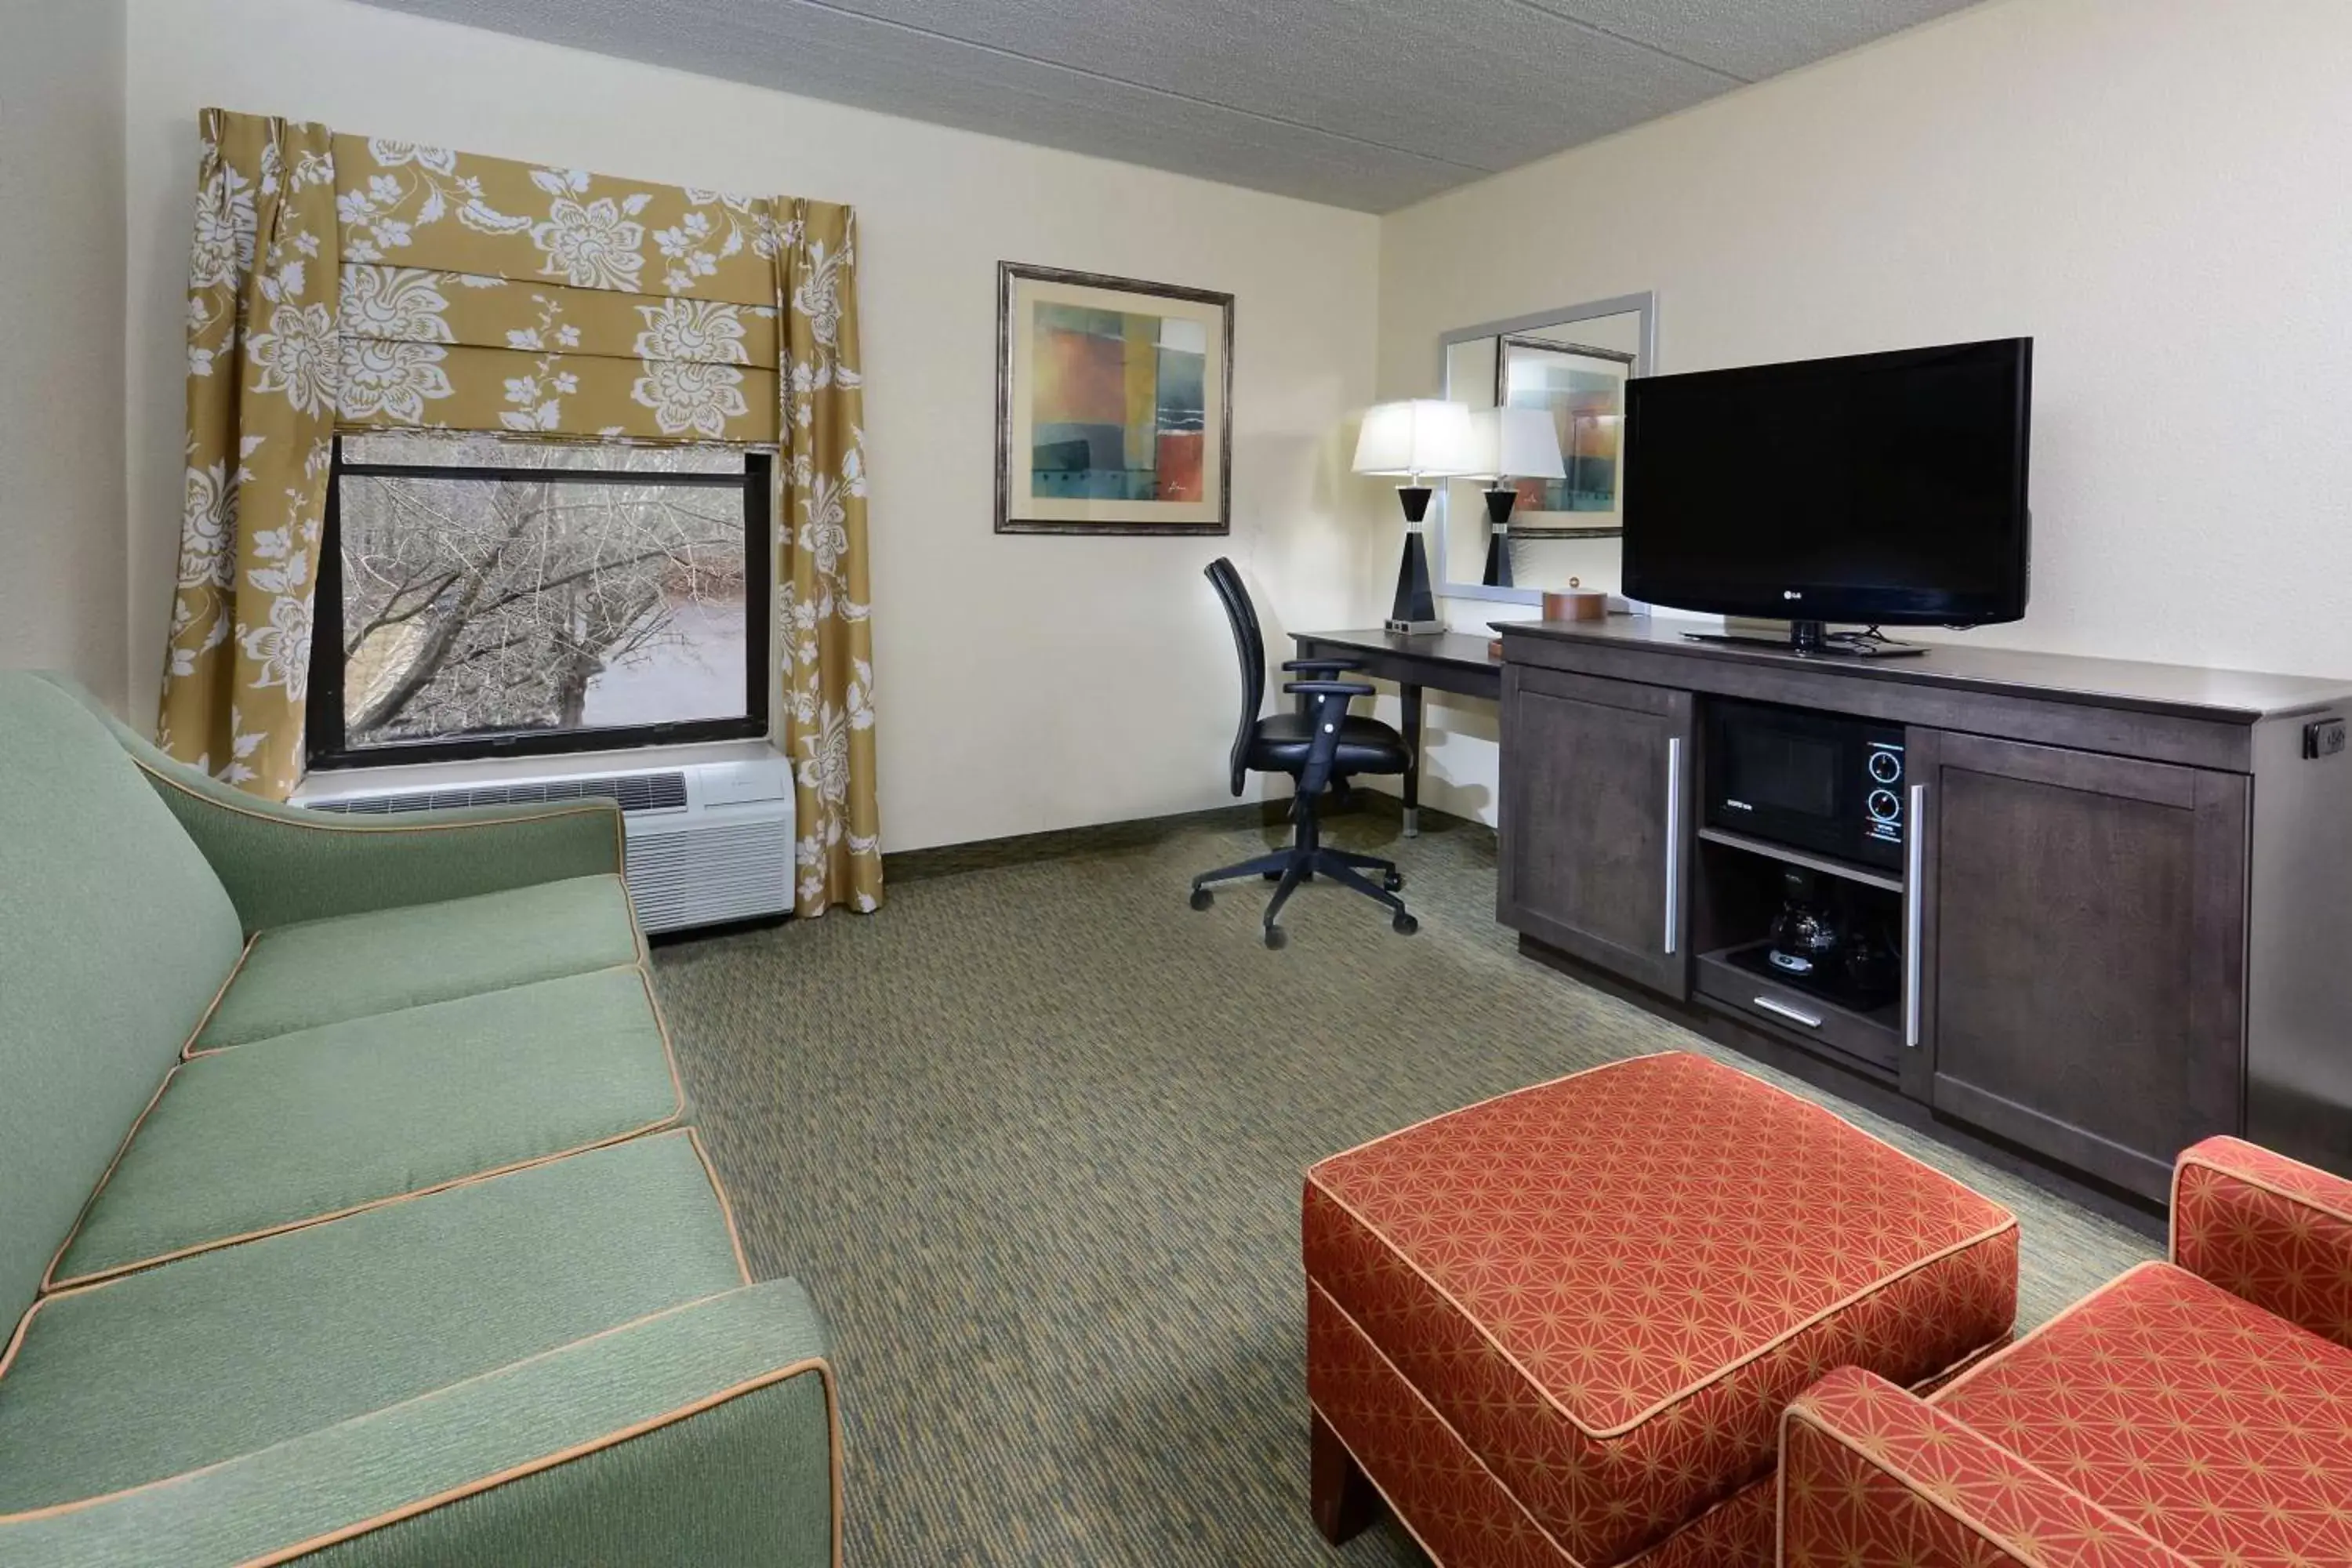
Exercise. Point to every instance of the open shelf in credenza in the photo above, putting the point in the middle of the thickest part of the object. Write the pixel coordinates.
(1867, 875)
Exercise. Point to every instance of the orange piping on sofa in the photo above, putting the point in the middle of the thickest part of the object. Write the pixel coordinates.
(818, 1365)
(49, 1282)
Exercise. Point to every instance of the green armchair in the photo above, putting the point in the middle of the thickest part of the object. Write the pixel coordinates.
(352, 1214)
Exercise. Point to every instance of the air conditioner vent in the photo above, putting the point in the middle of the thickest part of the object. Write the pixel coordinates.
(707, 842)
(690, 875)
(634, 792)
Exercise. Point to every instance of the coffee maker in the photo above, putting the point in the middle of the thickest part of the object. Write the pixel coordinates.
(1805, 935)
(1829, 937)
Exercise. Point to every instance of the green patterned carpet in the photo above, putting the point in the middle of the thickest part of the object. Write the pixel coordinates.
(1032, 1138)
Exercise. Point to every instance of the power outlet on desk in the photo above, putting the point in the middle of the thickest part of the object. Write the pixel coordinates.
(2323, 738)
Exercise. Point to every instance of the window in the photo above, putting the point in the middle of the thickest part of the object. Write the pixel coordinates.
(482, 596)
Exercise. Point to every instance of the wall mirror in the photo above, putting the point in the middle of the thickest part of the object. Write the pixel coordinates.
(1571, 364)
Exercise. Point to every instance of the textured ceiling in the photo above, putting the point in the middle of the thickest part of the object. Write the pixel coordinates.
(1363, 103)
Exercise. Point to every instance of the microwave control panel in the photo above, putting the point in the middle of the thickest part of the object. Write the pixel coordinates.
(1884, 802)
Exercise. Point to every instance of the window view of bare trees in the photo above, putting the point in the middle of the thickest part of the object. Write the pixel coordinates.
(520, 602)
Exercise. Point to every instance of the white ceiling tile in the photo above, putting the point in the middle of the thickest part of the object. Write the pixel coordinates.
(1487, 84)
(1371, 104)
(1752, 40)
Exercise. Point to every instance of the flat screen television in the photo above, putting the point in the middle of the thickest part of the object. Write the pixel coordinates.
(1885, 488)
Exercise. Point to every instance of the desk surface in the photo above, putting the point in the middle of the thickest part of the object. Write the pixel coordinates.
(1458, 662)
(1461, 650)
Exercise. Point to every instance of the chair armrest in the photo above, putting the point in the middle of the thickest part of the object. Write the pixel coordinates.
(1862, 1461)
(707, 1432)
(2269, 1230)
(1331, 697)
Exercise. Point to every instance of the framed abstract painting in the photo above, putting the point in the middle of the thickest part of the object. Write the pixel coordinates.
(1114, 401)
(1582, 389)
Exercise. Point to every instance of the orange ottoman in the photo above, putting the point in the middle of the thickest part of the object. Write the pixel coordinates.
(1559, 1327)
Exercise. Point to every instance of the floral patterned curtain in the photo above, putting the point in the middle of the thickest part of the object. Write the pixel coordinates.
(343, 281)
(825, 632)
(262, 374)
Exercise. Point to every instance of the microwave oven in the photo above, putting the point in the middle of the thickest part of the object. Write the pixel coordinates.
(1820, 782)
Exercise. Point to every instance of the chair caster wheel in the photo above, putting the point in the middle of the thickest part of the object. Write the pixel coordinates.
(1269, 875)
(1275, 937)
(1394, 881)
(1203, 898)
(1404, 924)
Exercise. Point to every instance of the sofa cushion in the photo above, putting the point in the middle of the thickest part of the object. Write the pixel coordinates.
(114, 935)
(1611, 1285)
(301, 1127)
(323, 972)
(2205, 1422)
(152, 1374)
(700, 1436)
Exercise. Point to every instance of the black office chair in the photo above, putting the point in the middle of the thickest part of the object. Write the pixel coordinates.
(1321, 748)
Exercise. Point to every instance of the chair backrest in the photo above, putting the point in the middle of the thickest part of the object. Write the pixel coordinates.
(114, 938)
(1249, 644)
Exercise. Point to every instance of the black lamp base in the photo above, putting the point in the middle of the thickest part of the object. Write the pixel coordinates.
(1415, 607)
(1499, 501)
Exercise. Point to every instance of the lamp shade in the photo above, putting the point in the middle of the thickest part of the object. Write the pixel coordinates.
(1514, 443)
(1419, 436)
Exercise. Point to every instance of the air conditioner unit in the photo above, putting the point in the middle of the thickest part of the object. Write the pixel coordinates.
(709, 841)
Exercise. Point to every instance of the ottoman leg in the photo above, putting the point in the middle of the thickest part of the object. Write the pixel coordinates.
(1340, 1494)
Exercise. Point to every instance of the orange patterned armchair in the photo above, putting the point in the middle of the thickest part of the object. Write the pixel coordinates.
(2191, 1413)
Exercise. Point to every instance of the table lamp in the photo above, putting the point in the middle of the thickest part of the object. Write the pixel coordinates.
(1510, 444)
(1421, 439)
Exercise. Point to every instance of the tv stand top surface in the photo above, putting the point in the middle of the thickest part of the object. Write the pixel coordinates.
(2186, 691)
(1811, 639)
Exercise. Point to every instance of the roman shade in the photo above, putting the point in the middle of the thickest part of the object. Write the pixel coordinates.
(480, 293)
(347, 283)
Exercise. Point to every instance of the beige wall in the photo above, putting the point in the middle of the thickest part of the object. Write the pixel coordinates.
(61, 546)
(2153, 189)
(1023, 683)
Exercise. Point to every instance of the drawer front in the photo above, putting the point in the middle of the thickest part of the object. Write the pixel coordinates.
(1824, 1026)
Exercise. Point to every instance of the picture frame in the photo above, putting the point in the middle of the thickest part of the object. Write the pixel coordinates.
(1114, 405)
(1583, 389)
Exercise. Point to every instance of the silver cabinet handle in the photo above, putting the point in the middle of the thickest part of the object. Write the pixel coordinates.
(1674, 843)
(1915, 857)
(1794, 1015)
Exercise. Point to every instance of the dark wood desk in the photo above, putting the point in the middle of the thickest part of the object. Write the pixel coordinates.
(1445, 661)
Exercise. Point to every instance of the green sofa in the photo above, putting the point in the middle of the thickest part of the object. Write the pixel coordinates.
(348, 1212)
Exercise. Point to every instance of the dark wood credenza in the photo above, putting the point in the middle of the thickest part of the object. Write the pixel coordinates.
(2126, 906)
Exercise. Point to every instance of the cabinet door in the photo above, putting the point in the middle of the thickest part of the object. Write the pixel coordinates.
(2082, 950)
(1595, 821)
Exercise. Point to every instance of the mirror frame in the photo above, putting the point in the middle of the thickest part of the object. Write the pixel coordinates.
(1644, 305)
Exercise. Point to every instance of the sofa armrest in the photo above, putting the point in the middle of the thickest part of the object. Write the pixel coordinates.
(705, 1434)
(2269, 1230)
(286, 863)
(1862, 1463)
